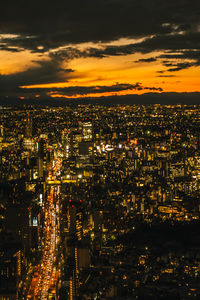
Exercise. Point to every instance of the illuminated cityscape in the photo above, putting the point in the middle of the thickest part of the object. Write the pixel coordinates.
(100, 150)
(100, 202)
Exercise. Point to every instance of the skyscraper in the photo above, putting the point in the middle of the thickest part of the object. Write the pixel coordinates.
(1, 131)
(86, 130)
(29, 126)
(41, 156)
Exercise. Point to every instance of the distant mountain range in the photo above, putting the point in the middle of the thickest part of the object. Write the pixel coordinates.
(144, 99)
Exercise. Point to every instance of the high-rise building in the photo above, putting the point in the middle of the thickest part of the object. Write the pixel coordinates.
(29, 126)
(10, 267)
(1, 131)
(40, 168)
(86, 130)
(72, 287)
(83, 257)
(41, 156)
(75, 226)
(41, 148)
(17, 222)
(72, 220)
(73, 271)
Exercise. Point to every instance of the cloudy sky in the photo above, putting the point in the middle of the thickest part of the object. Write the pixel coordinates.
(93, 48)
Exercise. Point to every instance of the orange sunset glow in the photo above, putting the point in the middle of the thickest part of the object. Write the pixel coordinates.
(107, 71)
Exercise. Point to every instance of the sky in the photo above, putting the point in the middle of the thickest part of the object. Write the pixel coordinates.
(92, 48)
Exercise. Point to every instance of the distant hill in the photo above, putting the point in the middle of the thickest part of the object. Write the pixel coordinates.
(145, 99)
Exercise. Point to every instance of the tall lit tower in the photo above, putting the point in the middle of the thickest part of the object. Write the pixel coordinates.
(41, 156)
(85, 128)
(1, 131)
(29, 126)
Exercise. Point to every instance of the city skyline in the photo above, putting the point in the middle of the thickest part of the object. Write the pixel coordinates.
(100, 202)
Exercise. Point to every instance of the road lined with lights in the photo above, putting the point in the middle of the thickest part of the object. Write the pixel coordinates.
(45, 277)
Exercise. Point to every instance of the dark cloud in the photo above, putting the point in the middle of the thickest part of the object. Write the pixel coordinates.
(46, 71)
(155, 89)
(82, 90)
(177, 41)
(181, 51)
(182, 47)
(166, 75)
(178, 66)
(10, 49)
(53, 24)
(151, 59)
